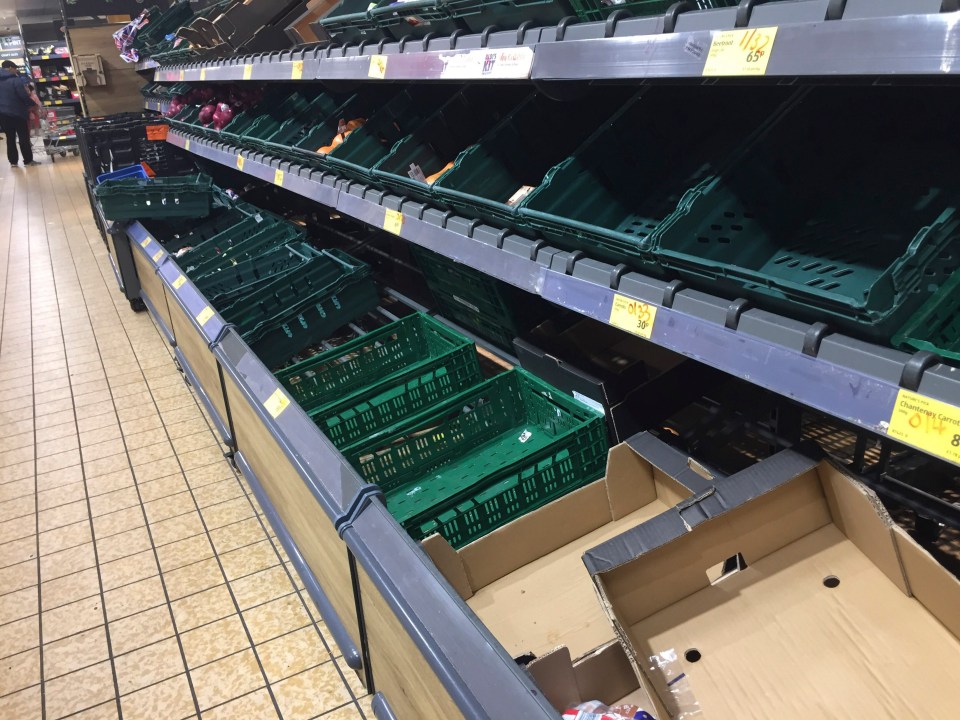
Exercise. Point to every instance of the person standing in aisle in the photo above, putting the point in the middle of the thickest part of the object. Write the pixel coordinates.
(15, 105)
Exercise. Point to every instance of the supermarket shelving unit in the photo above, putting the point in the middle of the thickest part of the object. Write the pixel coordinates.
(397, 622)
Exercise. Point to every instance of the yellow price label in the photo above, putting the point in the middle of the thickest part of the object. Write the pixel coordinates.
(181, 76)
(44, 57)
(378, 67)
(278, 177)
(186, 145)
(145, 241)
(240, 161)
(633, 316)
(203, 73)
(393, 221)
(247, 71)
(58, 102)
(740, 52)
(928, 424)
(205, 315)
(178, 283)
(296, 72)
(157, 255)
(276, 403)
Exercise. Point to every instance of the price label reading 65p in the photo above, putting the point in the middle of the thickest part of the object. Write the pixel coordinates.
(740, 52)
(633, 316)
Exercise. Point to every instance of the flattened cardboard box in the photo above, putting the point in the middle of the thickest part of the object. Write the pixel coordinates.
(838, 612)
(526, 581)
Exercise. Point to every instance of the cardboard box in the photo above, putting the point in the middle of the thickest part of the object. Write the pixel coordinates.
(778, 637)
(603, 674)
(300, 30)
(526, 580)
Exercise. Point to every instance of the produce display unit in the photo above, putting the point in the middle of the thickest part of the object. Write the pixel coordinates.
(51, 70)
(403, 624)
(796, 38)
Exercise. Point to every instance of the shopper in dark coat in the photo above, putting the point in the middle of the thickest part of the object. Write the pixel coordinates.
(15, 105)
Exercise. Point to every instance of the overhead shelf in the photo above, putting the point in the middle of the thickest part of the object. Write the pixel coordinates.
(51, 103)
(777, 39)
(913, 400)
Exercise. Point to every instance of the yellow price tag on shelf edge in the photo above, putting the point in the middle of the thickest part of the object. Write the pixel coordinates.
(393, 221)
(633, 316)
(205, 315)
(276, 403)
(157, 255)
(378, 67)
(145, 241)
(178, 283)
(203, 73)
(296, 72)
(240, 161)
(740, 52)
(278, 177)
(181, 76)
(186, 145)
(247, 71)
(928, 424)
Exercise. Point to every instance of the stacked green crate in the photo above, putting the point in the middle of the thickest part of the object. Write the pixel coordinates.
(304, 307)
(365, 387)
(162, 197)
(236, 278)
(484, 457)
(488, 307)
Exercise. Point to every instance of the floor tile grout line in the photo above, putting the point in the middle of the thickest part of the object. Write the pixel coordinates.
(297, 590)
(156, 559)
(138, 552)
(83, 475)
(230, 590)
(43, 697)
(273, 541)
(163, 604)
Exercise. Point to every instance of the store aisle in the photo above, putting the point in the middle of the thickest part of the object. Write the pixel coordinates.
(137, 578)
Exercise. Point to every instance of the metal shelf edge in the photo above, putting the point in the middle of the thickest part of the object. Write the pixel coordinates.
(862, 399)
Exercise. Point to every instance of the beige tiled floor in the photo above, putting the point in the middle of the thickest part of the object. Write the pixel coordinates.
(137, 577)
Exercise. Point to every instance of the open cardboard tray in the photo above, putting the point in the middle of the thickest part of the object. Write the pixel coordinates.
(526, 580)
(776, 636)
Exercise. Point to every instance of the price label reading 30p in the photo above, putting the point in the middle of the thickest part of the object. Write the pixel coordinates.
(740, 52)
(928, 424)
(633, 316)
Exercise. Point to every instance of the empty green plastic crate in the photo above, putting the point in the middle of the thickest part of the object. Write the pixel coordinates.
(488, 307)
(444, 135)
(488, 179)
(239, 278)
(222, 246)
(850, 228)
(936, 325)
(485, 457)
(442, 17)
(356, 156)
(295, 128)
(280, 319)
(162, 197)
(366, 386)
(619, 185)
(179, 237)
(349, 22)
(593, 10)
(324, 129)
